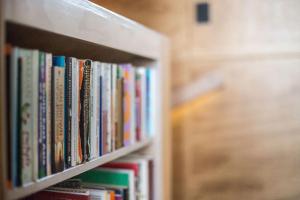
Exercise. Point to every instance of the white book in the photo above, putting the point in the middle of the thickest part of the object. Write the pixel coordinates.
(106, 106)
(27, 117)
(97, 194)
(93, 109)
(74, 106)
(142, 72)
(48, 103)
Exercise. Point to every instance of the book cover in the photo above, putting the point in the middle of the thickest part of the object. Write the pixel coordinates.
(49, 109)
(75, 106)
(42, 118)
(85, 110)
(58, 113)
(111, 177)
(27, 115)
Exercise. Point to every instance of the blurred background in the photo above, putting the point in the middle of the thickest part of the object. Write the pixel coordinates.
(235, 70)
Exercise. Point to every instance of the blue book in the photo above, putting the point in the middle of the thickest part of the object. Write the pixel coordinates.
(100, 117)
(42, 120)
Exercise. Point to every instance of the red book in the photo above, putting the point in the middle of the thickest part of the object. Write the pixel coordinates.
(60, 195)
(123, 165)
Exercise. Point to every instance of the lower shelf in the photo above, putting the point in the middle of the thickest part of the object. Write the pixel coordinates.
(71, 172)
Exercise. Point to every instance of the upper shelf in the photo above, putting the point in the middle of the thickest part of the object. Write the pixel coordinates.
(86, 21)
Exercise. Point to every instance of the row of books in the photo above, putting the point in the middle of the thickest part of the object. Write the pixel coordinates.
(64, 111)
(129, 178)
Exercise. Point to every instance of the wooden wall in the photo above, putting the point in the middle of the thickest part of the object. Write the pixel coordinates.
(240, 142)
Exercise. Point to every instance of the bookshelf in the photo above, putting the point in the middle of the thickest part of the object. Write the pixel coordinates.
(82, 29)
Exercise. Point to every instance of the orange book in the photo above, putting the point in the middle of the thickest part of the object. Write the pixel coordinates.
(80, 156)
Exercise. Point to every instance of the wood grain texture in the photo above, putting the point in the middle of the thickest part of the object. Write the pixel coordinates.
(242, 142)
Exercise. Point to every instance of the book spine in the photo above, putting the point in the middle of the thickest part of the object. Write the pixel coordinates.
(49, 108)
(119, 112)
(68, 111)
(108, 99)
(42, 121)
(75, 104)
(114, 106)
(85, 109)
(58, 113)
(92, 117)
(26, 116)
(126, 104)
(97, 107)
(15, 94)
(138, 104)
(143, 103)
(104, 110)
(100, 110)
(132, 104)
(148, 102)
(80, 110)
(34, 138)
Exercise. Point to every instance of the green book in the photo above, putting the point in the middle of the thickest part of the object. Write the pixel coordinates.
(111, 177)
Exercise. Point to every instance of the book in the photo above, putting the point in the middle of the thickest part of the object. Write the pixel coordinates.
(35, 97)
(58, 194)
(127, 104)
(42, 118)
(114, 101)
(85, 109)
(106, 108)
(68, 112)
(80, 131)
(58, 107)
(119, 109)
(27, 116)
(14, 70)
(110, 177)
(98, 108)
(138, 105)
(93, 110)
(48, 86)
(75, 110)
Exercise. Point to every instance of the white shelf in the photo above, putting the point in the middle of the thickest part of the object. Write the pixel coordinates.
(74, 171)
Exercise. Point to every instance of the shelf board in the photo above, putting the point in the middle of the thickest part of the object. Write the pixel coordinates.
(71, 172)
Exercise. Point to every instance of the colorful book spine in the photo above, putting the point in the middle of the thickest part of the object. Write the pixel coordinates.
(26, 116)
(42, 118)
(126, 104)
(49, 109)
(80, 131)
(85, 110)
(75, 106)
(68, 112)
(58, 113)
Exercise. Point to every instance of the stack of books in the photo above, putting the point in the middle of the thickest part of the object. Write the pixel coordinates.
(64, 111)
(125, 179)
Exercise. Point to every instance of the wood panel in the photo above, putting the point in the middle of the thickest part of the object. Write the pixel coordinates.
(242, 142)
